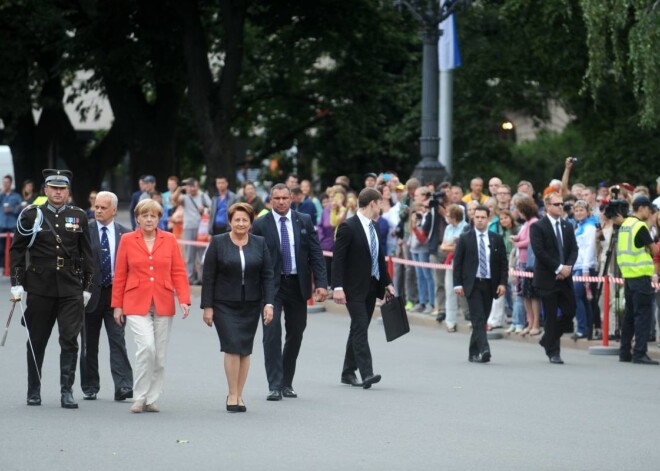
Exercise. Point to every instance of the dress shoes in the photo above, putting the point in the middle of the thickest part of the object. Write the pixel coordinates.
(369, 380)
(274, 395)
(34, 399)
(480, 358)
(351, 381)
(645, 360)
(89, 396)
(625, 358)
(67, 401)
(232, 407)
(152, 408)
(241, 407)
(137, 407)
(123, 393)
(556, 359)
(289, 392)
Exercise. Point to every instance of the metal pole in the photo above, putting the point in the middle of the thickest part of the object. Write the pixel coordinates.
(446, 107)
(429, 169)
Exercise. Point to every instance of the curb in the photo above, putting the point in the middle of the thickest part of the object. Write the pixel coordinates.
(463, 328)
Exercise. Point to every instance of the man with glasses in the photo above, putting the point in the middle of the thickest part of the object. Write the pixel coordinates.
(555, 248)
(503, 197)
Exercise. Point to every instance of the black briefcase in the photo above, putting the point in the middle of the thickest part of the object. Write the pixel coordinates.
(395, 319)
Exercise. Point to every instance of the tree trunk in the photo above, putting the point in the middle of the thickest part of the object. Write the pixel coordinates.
(213, 104)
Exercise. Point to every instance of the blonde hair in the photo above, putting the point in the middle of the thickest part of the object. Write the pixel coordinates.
(148, 205)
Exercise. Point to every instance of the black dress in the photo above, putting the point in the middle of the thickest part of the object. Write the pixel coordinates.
(237, 295)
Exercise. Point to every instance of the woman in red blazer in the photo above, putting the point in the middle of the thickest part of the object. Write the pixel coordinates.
(149, 271)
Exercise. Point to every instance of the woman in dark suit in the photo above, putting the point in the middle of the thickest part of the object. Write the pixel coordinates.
(234, 259)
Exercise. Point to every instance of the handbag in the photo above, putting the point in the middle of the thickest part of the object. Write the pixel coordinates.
(395, 318)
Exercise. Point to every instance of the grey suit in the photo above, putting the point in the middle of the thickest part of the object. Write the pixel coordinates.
(97, 312)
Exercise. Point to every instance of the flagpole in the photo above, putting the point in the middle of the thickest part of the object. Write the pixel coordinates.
(445, 119)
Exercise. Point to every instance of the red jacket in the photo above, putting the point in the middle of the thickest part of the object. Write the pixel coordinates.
(141, 277)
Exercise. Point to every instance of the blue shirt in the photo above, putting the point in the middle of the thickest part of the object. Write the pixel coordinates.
(8, 219)
(221, 213)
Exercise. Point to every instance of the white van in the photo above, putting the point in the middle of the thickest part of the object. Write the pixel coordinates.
(6, 163)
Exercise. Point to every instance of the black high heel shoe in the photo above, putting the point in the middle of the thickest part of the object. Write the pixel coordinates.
(242, 407)
(232, 407)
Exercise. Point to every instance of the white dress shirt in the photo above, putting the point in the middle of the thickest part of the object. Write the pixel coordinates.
(487, 244)
(292, 242)
(111, 242)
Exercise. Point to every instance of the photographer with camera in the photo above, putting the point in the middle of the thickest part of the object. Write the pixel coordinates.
(635, 251)
(406, 280)
(419, 249)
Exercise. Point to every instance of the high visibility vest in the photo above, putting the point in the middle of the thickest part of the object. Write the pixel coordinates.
(634, 262)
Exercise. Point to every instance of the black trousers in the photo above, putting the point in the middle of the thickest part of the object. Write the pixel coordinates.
(281, 363)
(480, 302)
(40, 316)
(120, 366)
(637, 316)
(358, 353)
(561, 298)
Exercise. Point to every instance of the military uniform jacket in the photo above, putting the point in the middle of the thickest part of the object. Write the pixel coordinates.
(60, 261)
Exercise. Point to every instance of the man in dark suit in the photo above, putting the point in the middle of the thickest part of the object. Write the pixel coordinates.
(104, 233)
(296, 254)
(555, 248)
(480, 274)
(359, 276)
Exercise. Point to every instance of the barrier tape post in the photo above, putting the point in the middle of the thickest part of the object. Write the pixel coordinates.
(390, 266)
(7, 247)
(606, 311)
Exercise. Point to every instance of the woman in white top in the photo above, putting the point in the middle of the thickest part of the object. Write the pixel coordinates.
(585, 265)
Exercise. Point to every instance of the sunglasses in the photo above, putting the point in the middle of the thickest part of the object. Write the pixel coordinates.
(557, 204)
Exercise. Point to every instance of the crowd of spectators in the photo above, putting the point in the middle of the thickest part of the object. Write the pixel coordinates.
(418, 222)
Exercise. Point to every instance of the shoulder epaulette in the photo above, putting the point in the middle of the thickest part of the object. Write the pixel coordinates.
(76, 208)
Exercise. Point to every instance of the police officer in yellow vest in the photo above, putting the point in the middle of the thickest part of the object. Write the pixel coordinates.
(635, 252)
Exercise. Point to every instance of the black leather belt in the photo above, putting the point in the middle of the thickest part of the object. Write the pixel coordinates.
(57, 262)
(292, 275)
(483, 280)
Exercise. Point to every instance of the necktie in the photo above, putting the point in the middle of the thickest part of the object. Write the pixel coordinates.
(374, 251)
(285, 247)
(559, 243)
(106, 265)
(483, 263)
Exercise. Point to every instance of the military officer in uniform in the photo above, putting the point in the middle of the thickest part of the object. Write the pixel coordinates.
(57, 279)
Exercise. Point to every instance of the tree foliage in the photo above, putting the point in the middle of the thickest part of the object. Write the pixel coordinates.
(624, 44)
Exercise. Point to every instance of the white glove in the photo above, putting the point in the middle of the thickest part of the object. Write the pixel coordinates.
(86, 296)
(17, 292)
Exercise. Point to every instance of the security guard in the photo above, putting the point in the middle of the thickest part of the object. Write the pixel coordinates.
(57, 280)
(635, 252)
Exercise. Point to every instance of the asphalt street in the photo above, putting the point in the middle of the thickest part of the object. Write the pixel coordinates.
(432, 410)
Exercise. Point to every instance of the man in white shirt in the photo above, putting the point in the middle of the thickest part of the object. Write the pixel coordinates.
(104, 233)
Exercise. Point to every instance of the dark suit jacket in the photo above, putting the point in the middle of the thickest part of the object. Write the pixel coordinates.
(546, 250)
(351, 262)
(221, 280)
(309, 256)
(466, 261)
(96, 251)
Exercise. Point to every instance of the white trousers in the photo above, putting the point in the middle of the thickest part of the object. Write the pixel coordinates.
(151, 334)
(451, 299)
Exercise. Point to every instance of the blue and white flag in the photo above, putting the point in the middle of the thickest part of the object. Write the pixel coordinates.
(449, 56)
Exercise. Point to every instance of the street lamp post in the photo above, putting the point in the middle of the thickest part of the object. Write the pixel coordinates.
(430, 14)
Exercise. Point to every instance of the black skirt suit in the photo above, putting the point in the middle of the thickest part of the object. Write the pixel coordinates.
(237, 297)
